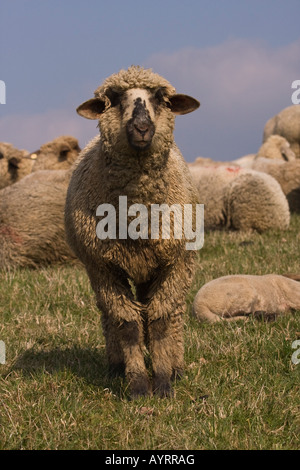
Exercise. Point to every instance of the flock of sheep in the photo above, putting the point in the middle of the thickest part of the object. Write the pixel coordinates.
(49, 198)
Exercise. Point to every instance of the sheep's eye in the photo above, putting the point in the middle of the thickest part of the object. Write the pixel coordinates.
(63, 154)
(13, 163)
(159, 95)
(1, 155)
(114, 98)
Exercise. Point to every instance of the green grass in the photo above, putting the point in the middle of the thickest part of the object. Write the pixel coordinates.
(240, 389)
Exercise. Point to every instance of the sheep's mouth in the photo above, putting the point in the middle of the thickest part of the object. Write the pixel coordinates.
(140, 143)
(139, 138)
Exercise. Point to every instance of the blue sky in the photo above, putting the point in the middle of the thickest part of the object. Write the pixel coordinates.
(238, 58)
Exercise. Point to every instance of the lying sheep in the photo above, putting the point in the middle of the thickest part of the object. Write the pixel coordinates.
(59, 154)
(203, 161)
(14, 164)
(32, 220)
(244, 162)
(287, 124)
(288, 176)
(240, 199)
(274, 148)
(238, 296)
(135, 156)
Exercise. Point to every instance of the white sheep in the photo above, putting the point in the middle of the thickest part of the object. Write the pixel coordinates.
(14, 164)
(32, 231)
(287, 124)
(238, 296)
(58, 154)
(135, 157)
(240, 199)
(244, 162)
(288, 176)
(275, 147)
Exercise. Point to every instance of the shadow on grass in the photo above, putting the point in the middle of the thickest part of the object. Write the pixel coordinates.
(89, 364)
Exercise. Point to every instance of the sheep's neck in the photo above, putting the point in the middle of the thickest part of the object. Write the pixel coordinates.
(137, 174)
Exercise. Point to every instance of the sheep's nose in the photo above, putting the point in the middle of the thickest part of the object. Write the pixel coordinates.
(142, 129)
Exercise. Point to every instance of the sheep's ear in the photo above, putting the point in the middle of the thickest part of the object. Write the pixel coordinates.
(91, 109)
(183, 104)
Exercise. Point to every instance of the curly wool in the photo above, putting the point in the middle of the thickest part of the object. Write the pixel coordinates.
(134, 77)
(160, 269)
(239, 198)
(287, 124)
(48, 157)
(114, 141)
(274, 148)
(238, 296)
(288, 176)
(14, 165)
(35, 236)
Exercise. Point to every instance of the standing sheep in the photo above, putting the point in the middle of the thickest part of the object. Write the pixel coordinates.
(14, 164)
(135, 156)
(240, 199)
(32, 220)
(287, 124)
(238, 296)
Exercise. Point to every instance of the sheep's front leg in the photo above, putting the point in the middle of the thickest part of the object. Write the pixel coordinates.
(122, 327)
(165, 302)
(167, 350)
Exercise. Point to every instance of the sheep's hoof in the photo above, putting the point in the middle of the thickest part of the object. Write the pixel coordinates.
(139, 387)
(162, 388)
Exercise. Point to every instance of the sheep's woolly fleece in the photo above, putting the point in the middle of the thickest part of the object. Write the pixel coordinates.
(55, 145)
(238, 296)
(240, 198)
(160, 269)
(134, 77)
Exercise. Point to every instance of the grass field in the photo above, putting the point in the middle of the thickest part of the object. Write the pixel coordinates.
(240, 389)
